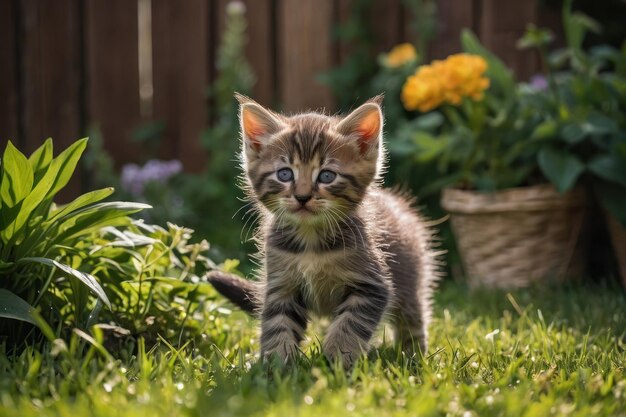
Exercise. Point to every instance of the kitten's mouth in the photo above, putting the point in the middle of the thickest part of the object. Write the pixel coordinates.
(303, 211)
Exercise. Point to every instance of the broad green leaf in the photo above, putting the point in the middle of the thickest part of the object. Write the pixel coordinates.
(428, 146)
(17, 176)
(78, 223)
(65, 164)
(16, 183)
(600, 124)
(14, 307)
(573, 133)
(609, 167)
(112, 207)
(544, 130)
(87, 279)
(5, 266)
(429, 121)
(500, 76)
(32, 202)
(41, 158)
(561, 168)
(82, 201)
(97, 215)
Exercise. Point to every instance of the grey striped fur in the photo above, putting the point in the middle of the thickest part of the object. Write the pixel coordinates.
(356, 252)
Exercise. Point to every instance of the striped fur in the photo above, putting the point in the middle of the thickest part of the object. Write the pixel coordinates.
(354, 251)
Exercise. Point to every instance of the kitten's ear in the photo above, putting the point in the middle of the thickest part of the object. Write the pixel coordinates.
(257, 123)
(365, 123)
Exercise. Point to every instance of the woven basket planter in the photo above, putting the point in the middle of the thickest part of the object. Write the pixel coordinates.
(516, 237)
(618, 239)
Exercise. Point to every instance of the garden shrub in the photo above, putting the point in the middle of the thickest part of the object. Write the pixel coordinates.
(88, 261)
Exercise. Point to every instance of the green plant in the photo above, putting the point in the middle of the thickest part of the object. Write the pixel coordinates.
(41, 271)
(153, 276)
(474, 128)
(581, 117)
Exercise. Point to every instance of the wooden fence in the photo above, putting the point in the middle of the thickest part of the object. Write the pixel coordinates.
(68, 65)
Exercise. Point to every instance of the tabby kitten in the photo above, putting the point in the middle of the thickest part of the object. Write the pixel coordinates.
(332, 241)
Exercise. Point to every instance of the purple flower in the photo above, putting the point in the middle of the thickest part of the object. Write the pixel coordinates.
(538, 82)
(134, 178)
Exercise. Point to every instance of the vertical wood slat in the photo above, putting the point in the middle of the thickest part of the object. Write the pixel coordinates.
(502, 24)
(113, 85)
(304, 50)
(8, 75)
(343, 14)
(452, 16)
(386, 20)
(51, 65)
(51, 78)
(180, 46)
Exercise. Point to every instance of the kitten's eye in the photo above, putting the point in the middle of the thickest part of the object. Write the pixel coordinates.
(285, 174)
(326, 177)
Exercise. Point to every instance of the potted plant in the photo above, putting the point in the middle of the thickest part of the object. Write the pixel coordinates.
(581, 119)
(512, 226)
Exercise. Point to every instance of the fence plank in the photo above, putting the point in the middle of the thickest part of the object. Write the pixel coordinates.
(51, 71)
(113, 90)
(8, 75)
(260, 49)
(453, 16)
(180, 47)
(502, 24)
(51, 78)
(304, 50)
(387, 21)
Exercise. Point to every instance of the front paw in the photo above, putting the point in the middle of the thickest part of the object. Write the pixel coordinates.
(344, 354)
(282, 353)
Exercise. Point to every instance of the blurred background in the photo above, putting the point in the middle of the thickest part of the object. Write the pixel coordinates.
(151, 82)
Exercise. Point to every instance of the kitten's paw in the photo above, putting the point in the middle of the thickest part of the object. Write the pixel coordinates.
(282, 354)
(342, 354)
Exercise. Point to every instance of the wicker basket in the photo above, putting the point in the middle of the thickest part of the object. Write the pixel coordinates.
(618, 238)
(516, 237)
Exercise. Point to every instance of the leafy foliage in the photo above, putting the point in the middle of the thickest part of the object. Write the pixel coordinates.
(581, 119)
(153, 278)
(485, 144)
(38, 259)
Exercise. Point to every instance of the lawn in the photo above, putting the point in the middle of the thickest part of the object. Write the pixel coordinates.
(555, 351)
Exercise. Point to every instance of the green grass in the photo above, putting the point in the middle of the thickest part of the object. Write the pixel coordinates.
(557, 351)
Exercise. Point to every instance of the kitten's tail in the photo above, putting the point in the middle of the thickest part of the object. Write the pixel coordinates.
(238, 290)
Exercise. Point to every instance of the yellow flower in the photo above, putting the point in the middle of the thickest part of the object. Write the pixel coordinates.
(448, 81)
(400, 55)
(422, 91)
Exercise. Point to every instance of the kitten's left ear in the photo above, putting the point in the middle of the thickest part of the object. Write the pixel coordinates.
(366, 124)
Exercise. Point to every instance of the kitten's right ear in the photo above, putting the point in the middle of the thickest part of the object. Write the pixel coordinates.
(257, 123)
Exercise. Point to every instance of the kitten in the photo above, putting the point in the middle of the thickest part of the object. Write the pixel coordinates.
(332, 241)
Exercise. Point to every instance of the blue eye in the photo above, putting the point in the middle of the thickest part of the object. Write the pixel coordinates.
(326, 177)
(285, 174)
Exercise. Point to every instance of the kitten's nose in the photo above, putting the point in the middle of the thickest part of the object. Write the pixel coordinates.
(303, 199)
